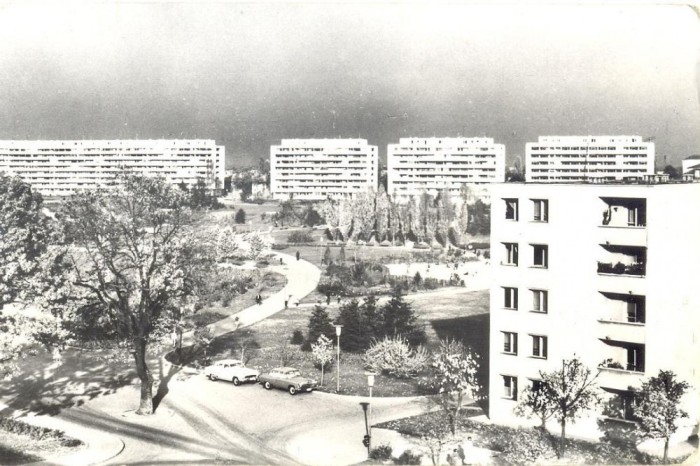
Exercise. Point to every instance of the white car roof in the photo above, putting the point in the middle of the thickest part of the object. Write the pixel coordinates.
(228, 361)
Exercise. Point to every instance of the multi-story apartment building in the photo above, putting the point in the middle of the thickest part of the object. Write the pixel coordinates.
(432, 165)
(576, 159)
(315, 169)
(605, 272)
(60, 168)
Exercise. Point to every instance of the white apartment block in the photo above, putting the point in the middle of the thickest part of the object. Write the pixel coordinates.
(605, 272)
(315, 169)
(577, 159)
(417, 165)
(60, 168)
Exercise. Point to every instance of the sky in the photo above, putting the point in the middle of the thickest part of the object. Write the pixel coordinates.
(250, 74)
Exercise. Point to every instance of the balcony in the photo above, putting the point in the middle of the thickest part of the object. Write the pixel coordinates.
(638, 269)
(632, 332)
(619, 378)
(624, 212)
(622, 235)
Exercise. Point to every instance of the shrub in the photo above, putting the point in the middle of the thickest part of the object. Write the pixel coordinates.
(279, 246)
(240, 216)
(13, 426)
(381, 453)
(297, 337)
(394, 356)
(300, 236)
(408, 457)
(487, 254)
(527, 446)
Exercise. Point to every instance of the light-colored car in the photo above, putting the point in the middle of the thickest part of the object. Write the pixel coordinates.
(287, 378)
(233, 370)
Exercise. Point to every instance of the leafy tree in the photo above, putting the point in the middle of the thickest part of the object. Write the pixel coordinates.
(319, 324)
(134, 259)
(29, 258)
(322, 352)
(658, 409)
(515, 177)
(399, 318)
(203, 337)
(454, 378)
(571, 390)
(535, 401)
(240, 216)
(479, 219)
(201, 197)
(312, 217)
(435, 435)
(395, 356)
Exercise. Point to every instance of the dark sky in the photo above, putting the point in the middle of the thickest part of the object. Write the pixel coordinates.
(248, 75)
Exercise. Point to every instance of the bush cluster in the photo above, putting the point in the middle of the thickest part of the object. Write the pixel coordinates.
(37, 433)
(381, 453)
(299, 237)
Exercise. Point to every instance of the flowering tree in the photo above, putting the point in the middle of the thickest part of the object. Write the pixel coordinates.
(454, 378)
(29, 257)
(534, 401)
(257, 244)
(657, 407)
(322, 352)
(133, 259)
(571, 391)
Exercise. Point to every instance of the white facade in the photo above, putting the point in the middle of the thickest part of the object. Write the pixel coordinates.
(417, 165)
(60, 168)
(316, 169)
(575, 159)
(604, 272)
(691, 166)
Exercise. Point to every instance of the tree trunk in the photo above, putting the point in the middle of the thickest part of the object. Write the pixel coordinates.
(322, 374)
(563, 437)
(144, 374)
(665, 450)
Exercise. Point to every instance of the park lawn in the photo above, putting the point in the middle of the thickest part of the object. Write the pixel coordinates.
(462, 315)
(16, 448)
(271, 283)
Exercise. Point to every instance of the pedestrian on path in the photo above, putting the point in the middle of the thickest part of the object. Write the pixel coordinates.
(258, 298)
(281, 261)
(298, 255)
(460, 453)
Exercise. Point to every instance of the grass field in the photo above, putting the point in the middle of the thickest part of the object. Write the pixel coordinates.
(463, 316)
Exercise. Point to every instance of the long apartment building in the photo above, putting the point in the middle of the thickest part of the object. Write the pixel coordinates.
(581, 159)
(60, 168)
(432, 165)
(315, 169)
(605, 272)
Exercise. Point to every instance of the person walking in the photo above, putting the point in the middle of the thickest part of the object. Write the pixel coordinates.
(298, 255)
(460, 453)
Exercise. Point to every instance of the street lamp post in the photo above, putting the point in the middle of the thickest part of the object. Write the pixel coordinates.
(338, 329)
(370, 384)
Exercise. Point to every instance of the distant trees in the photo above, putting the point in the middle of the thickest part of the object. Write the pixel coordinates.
(426, 218)
(657, 407)
(672, 172)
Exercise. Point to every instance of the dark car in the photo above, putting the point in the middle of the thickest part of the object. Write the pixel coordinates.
(287, 378)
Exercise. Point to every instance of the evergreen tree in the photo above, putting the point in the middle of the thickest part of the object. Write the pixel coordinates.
(355, 337)
(319, 324)
(341, 255)
(398, 318)
(240, 216)
(372, 318)
(327, 255)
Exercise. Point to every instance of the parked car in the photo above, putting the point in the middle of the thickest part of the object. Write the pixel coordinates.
(287, 378)
(233, 370)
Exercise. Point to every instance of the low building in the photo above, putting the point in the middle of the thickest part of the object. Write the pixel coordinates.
(433, 165)
(581, 159)
(316, 169)
(60, 168)
(605, 272)
(690, 166)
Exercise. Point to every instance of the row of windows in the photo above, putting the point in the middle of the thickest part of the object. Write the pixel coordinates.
(538, 347)
(540, 209)
(540, 255)
(540, 299)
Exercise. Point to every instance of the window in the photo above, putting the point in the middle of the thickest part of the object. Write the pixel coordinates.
(635, 358)
(510, 343)
(635, 310)
(540, 255)
(539, 301)
(511, 254)
(510, 298)
(540, 210)
(510, 387)
(511, 209)
(539, 346)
